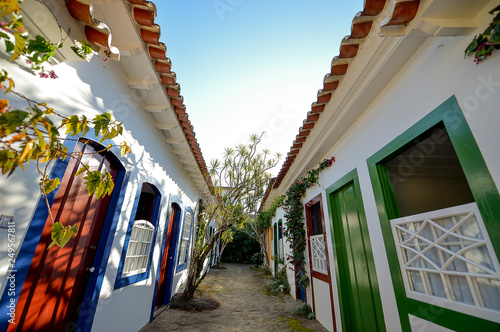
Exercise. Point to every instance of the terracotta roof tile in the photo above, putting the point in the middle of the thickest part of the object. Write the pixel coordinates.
(303, 132)
(329, 86)
(144, 13)
(308, 125)
(403, 12)
(144, 16)
(157, 52)
(96, 32)
(373, 7)
(162, 67)
(177, 102)
(312, 117)
(150, 36)
(317, 108)
(339, 69)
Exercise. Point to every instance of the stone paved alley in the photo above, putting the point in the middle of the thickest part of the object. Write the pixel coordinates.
(244, 306)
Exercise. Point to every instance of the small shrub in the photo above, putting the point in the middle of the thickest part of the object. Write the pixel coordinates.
(280, 279)
(303, 309)
(257, 258)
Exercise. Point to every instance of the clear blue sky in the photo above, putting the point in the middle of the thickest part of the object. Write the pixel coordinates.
(247, 66)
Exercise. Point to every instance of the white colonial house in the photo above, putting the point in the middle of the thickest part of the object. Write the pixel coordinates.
(403, 230)
(133, 247)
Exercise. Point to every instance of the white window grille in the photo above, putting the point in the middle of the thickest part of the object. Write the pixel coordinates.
(185, 239)
(280, 249)
(318, 253)
(446, 255)
(139, 247)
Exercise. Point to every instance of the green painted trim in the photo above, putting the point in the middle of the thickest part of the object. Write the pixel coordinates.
(337, 234)
(483, 189)
(275, 226)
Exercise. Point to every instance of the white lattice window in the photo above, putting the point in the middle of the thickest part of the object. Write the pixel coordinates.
(139, 247)
(280, 248)
(318, 253)
(446, 255)
(186, 233)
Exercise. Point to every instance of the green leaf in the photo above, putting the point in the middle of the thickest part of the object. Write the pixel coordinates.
(51, 185)
(100, 184)
(80, 171)
(92, 181)
(497, 8)
(61, 235)
(19, 47)
(72, 125)
(496, 38)
(125, 148)
(11, 7)
(9, 45)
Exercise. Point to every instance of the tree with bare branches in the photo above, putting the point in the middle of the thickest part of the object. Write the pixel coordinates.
(240, 180)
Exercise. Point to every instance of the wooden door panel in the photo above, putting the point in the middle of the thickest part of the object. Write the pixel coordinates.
(165, 262)
(53, 291)
(356, 293)
(67, 259)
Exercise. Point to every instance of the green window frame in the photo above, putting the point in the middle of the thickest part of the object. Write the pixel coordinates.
(483, 189)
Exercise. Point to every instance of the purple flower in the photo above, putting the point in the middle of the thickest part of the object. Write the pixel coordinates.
(2, 26)
(43, 75)
(53, 75)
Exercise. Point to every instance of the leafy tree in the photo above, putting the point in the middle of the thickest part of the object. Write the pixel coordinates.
(38, 132)
(239, 183)
(240, 249)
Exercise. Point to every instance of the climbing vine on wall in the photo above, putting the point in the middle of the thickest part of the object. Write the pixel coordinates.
(485, 43)
(294, 214)
(265, 218)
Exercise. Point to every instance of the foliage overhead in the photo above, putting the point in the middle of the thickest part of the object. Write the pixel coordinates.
(34, 134)
(485, 43)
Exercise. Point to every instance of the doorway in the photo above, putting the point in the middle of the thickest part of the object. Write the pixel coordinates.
(321, 285)
(167, 266)
(360, 304)
(54, 290)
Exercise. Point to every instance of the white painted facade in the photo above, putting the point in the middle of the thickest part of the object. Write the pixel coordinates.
(393, 83)
(92, 88)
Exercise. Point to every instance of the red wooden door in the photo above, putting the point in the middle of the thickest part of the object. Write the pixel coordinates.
(53, 291)
(316, 226)
(162, 283)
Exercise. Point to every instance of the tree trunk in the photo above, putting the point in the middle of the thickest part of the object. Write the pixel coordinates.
(196, 273)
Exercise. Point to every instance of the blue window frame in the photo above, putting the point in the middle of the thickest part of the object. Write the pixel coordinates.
(185, 240)
(135, 263)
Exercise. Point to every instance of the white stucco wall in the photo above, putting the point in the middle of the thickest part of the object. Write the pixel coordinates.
(93, 88)
(433, 74)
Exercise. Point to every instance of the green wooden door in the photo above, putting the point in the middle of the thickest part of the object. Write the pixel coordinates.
(275, 248)
(360, 305)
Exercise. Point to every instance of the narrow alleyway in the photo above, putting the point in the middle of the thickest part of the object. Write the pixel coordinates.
(244, 306)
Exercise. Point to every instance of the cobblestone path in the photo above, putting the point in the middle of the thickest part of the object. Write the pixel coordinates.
(244, 306)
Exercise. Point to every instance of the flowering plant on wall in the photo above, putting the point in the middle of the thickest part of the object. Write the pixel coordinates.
(294, 214)
(485, 43)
